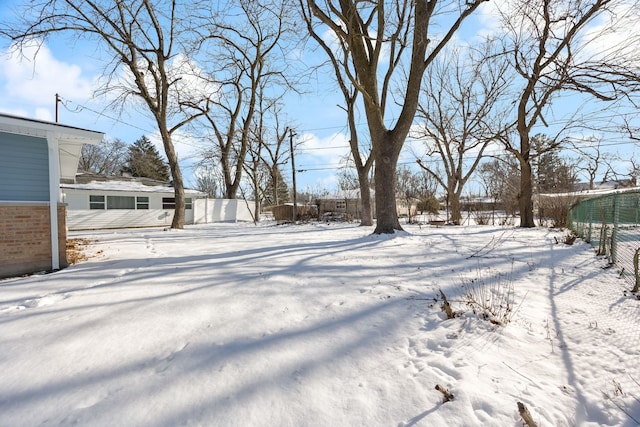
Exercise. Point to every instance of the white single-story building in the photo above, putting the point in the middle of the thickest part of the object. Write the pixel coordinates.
(120, 202)
(123, 204)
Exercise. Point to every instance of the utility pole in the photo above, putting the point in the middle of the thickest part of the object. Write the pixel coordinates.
(293, 172)
(57, 102)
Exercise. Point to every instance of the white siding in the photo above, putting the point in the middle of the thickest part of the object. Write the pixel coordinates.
(80, 217)
(222, 210)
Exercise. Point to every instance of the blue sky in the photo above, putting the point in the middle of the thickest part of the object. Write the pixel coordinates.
(29, 89)
(71, 69)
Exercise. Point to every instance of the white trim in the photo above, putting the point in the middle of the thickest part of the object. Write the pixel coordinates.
(69, 139)
(40, 128)
(54, 196)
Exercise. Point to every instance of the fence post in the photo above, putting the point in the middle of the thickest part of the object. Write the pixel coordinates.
(589, 207)
(636, 273)
(614, 233)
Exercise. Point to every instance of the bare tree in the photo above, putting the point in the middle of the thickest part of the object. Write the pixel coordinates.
(245, 46)
(267, 152)
(408, 189)
(347, 180)
(275, 155)
(142, 37)
(591, 157)
(552, 48)
(206, 182)
(501, 179)
(106, 158)
(375, 35)
(460, 97)
(362, 158)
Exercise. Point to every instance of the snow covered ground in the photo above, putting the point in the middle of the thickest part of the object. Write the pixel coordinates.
(320, 325)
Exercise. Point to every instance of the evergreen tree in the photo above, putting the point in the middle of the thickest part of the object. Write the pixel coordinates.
(143, 160)
(552, 173)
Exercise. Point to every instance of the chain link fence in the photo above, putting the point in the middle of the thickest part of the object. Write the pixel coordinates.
(611, 223)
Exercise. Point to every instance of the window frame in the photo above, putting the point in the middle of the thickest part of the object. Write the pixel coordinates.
(170, 203)
(142, 204)
(97, 204)
(121, 202)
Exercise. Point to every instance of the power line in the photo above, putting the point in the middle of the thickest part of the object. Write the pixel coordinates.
(81, 107)
(84, 107)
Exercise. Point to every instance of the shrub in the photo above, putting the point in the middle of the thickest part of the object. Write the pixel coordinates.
(490, 296)
(553, 210)
(482, 217)
(429, 205)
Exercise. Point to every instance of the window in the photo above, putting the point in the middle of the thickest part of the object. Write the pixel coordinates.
(170, 203)
(96, 202)
(121, 202)
(341, 205)
(142, 202)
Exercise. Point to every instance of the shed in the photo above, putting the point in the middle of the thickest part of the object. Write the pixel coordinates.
(347, 203)
(34, 156)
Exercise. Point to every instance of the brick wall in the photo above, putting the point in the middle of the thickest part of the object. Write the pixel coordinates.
(25, 238)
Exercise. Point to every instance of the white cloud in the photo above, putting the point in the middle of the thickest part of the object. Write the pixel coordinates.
(321, 159)
(329, 150)
(610, 38)
(44, 114)
(33, 77)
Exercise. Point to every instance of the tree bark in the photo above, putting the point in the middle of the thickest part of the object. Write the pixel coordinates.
(178, 183)
(456, 211)
(386, 160)
(525, 198)
(366, 213)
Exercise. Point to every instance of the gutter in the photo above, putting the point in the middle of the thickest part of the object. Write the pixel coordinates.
(54, 196)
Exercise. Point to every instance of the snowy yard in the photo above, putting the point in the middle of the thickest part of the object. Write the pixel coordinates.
(319, 325)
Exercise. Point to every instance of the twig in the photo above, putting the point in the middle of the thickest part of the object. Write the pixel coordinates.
(523, 376)
(447, 395)
(621, 408)
(483, 248)
(526, 415)
(446, 307)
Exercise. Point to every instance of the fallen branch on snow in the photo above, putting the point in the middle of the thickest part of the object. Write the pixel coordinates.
(447, 395)
(446, 307)
(526, 415)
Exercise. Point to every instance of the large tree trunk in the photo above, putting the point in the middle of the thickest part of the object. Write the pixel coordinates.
(526, 195)
(366, 213)
(525, 198)
(176, 175)
(454, 204)
(385, 183)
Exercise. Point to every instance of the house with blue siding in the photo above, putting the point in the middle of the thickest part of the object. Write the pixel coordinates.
(34, 156)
